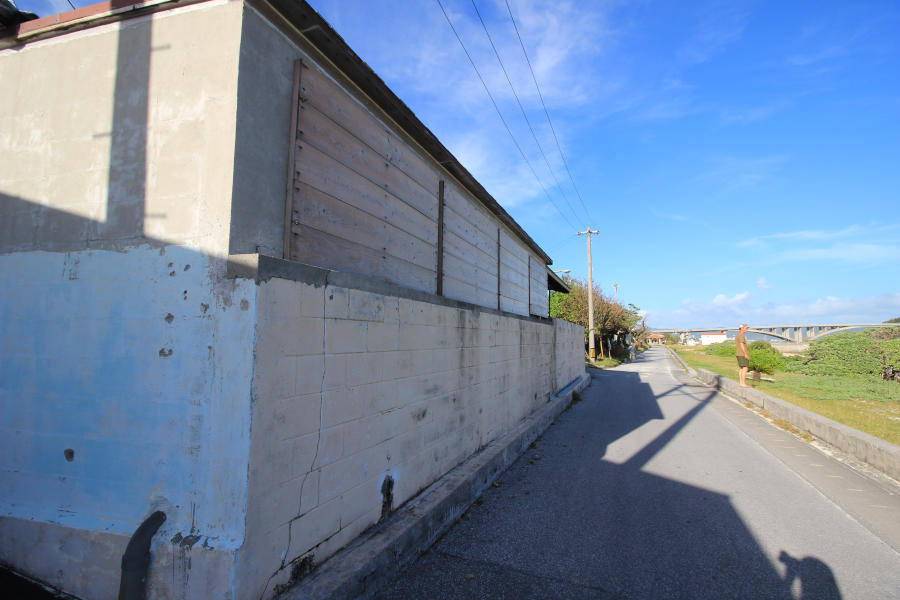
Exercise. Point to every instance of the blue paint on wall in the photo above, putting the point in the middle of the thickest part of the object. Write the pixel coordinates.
(140, 364)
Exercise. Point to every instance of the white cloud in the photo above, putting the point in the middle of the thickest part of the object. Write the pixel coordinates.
(718, 28)
(753, 114)
(734, 302)
(856, 245)
(737, 172)
(762, 284)
(724, 311)
(813, 235)
(824, 54)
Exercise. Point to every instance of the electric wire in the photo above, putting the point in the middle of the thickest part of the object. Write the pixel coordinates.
(546, 112)
(500, 114)
(522, 109)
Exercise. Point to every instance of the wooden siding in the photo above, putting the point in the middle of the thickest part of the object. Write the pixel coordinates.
(365, 201)
(539, 299)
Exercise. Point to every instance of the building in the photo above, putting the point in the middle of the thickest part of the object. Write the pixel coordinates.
(251, 291)
(656, 339)
(713, 338)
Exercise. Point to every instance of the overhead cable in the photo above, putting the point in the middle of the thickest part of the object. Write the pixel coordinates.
(522, 109)
(546, 112)
(497, 108)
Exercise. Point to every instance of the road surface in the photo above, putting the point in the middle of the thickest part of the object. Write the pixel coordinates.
(653, 486)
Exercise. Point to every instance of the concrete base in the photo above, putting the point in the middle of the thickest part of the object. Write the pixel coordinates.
(377, 557)
(86, 564)
(877, 453)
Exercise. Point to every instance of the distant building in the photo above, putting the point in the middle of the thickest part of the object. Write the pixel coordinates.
(656, 339)
(713, 338)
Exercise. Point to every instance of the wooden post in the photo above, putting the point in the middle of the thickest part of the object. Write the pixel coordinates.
(529, 285)
(498, 268)
(440, 239)
(292, 167)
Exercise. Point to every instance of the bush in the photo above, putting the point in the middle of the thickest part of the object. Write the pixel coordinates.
(764, 358)
(854, 353)
(721, 349)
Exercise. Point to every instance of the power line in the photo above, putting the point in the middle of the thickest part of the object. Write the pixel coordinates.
(521, 108)
(546, 112)
(497, 108)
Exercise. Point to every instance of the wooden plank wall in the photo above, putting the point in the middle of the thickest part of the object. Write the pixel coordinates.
(365, 201)
(540, 299)
(514, 258)
(470, 249)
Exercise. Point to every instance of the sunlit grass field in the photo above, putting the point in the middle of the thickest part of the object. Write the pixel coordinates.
(865, 403)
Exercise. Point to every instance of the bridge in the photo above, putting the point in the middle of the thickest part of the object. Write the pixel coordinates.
(790, 333)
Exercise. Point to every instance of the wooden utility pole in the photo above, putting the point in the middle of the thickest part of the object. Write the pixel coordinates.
(616, 285)
(589, 232)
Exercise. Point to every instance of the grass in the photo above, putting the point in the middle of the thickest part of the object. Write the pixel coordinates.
(865, 403)
(603, 363)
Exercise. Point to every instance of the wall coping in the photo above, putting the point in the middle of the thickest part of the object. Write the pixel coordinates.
(262, 268)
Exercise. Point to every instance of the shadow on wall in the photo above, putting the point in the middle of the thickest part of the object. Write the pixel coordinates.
(624, 531)
(29, 224)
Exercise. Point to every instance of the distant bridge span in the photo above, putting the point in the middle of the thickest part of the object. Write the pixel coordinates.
(790, 333)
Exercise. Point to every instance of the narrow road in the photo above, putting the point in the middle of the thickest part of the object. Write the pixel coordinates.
(656, 487)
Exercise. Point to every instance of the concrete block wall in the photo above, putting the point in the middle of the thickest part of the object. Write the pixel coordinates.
(353, 386)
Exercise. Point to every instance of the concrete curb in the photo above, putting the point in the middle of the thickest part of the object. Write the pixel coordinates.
(379, 555)
(869, 449)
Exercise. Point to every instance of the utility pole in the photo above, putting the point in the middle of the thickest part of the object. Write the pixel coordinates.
(616, 285)
(589, 232)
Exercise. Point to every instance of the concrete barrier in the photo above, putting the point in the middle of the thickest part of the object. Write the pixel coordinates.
(875, 452)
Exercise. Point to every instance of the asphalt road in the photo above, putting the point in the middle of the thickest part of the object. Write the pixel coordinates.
(656, 487)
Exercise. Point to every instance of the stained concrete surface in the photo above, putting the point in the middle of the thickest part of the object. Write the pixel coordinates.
(645, 489)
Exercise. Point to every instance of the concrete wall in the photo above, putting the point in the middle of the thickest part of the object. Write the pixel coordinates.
(126, 360)
(122, 134)
(357, 381)
(125, 390)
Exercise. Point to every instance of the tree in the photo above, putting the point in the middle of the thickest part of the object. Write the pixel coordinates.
(611, 319)
(897, 320)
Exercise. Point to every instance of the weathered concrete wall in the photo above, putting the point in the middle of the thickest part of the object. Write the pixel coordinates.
(122, 134)
(126, 360)
(356, 382)
(125, 390)
(265, 79)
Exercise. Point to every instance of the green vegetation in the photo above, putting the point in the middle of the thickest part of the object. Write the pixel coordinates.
(611, 319)
(604, 363)
(838, 377)
(763, 357)
(856, 353)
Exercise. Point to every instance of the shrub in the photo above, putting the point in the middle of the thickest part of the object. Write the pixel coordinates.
(854, 353)
(721, 349)
(764, 358)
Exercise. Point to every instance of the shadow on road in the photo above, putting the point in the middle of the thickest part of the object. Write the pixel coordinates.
(567, 522)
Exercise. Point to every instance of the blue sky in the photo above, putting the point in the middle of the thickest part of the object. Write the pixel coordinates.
(741, 159)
